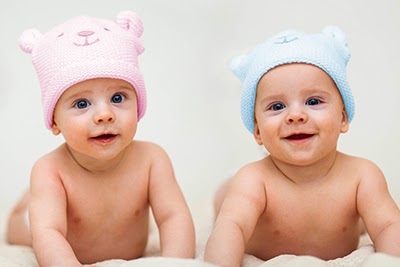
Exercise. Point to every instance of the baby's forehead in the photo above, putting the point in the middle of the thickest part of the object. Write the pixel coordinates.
(295, 73)
(97, 84)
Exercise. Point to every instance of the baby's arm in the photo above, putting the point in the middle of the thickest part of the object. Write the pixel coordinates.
(239, 214)
(48, 222)
(378, 211)
(171, 213)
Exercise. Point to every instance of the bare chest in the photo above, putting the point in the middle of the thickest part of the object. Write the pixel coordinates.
(107, 218)
(319, 221)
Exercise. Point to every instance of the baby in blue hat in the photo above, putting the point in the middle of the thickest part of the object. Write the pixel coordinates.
(305, 197)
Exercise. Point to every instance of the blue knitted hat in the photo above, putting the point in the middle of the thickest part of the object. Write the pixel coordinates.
(326, 50)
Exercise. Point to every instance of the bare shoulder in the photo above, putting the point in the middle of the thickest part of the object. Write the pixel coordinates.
(249, 182)
(51, 162)
(361, 167)
(371, 175)
(371, 179)
(256, 172)
(246, 177)
(148, 148)
(246, 197)
(153, 156)
(45, 173)
(256, 169)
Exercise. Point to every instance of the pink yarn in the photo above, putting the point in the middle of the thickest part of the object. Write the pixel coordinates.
(86, 48)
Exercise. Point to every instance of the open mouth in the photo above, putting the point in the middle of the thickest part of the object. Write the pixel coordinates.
(299, 137)
(105, 138)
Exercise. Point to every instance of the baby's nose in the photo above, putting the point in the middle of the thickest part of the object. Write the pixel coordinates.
(104, 114)
(297, 115)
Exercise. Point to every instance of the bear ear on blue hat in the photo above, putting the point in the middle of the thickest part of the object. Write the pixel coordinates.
(239, 66)
(338, 35)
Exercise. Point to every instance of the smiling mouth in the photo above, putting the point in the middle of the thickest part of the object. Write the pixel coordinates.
(299, 137)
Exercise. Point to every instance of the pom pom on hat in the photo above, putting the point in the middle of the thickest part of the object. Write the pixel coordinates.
(85, 48)
(327, 50)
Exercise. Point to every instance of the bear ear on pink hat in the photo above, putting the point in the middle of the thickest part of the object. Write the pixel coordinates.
(85, 48)
(28, 39)
(129, 21)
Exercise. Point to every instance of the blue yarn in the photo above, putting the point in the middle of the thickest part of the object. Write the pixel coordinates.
(327, 50)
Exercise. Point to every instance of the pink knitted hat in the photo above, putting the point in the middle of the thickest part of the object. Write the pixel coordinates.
(86, 48)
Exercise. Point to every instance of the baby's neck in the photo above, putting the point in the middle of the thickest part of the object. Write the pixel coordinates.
(304, 174)
(94, 165)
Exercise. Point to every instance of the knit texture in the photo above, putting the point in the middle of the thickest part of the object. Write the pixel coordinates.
(86, 48)
(327, 50)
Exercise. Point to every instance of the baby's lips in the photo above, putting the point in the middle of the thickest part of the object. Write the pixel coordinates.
(300, 136)
(105, 138)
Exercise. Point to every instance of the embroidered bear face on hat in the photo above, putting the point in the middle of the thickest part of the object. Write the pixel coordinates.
(85, 48)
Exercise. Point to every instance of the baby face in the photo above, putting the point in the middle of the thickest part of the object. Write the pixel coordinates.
(97, 117)
(299, 113)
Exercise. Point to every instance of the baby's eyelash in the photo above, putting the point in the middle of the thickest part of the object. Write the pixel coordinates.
(81, 103)
(314, 101)
(119, 97)
(275, 106)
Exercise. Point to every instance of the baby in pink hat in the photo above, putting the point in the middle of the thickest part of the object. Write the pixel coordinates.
(89, 199)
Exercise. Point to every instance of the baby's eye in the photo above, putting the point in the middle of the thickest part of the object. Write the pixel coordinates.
(277, 106)
(313, 102)
(81, 104)
(117, 98)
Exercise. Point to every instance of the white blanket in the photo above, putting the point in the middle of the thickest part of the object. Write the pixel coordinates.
(19, 256)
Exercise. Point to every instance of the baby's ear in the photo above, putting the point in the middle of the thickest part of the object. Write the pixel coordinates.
(54, 129)
(256, 133)
(129, 21)
(239, 66)
(29, 38)
(344, 127)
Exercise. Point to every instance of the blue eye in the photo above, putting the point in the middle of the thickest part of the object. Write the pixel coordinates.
(117, 98)
(277, 106)
(81, 104)
(313, 102)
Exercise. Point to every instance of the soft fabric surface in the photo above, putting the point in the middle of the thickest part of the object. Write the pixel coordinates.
(19, 256)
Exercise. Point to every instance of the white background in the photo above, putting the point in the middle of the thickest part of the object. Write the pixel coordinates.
(193, 98)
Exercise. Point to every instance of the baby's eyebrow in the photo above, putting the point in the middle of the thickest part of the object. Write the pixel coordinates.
(281, 96)
(126, 88)
(121, 87)
(77, 95)
(272, 98)
(318, 92)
